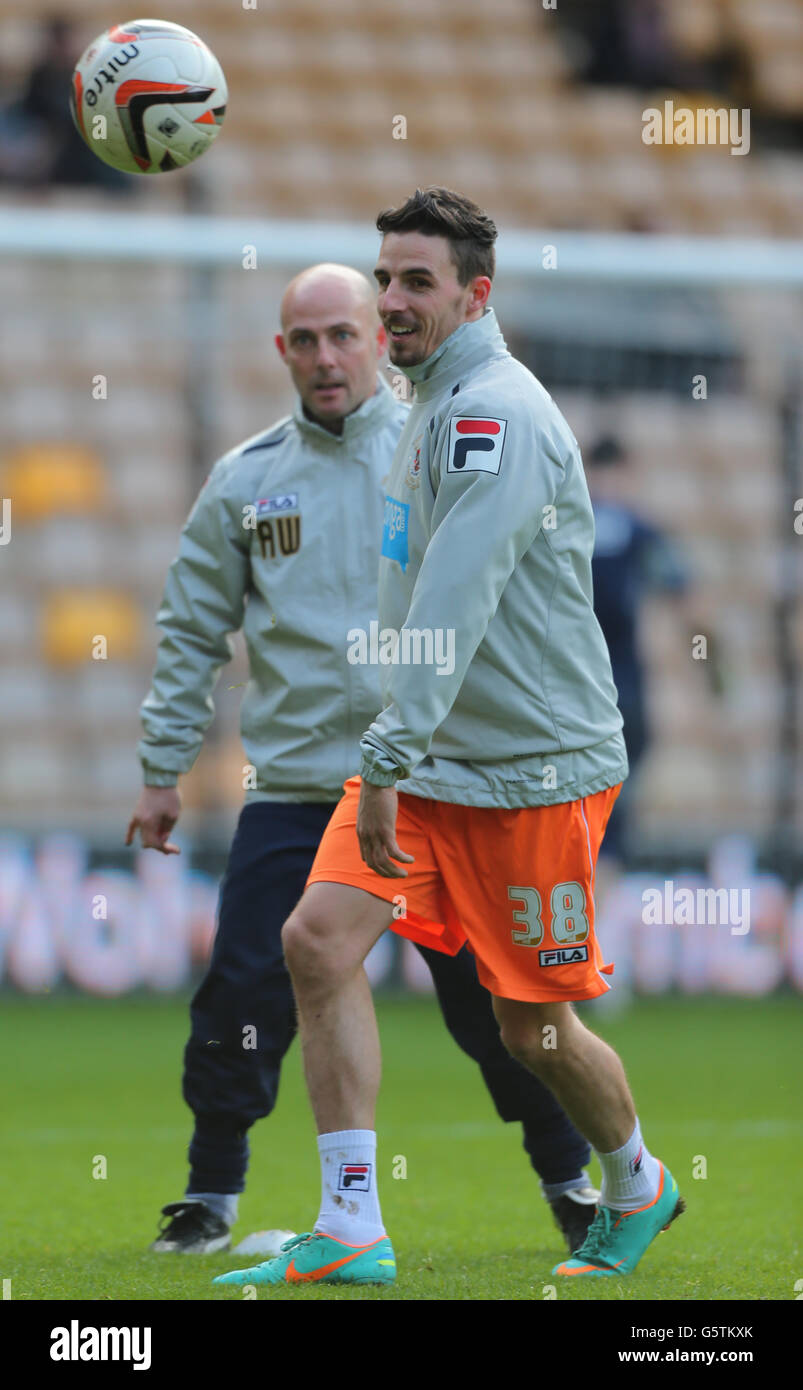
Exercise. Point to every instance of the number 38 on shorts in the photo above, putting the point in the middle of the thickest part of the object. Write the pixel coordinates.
(567, 904)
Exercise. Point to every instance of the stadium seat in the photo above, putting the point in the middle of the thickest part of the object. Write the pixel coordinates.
(50, 479)
(32, 762)
(25, 696)
(73, 619)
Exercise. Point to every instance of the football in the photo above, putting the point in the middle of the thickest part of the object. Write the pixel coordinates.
(266, 1243)
(148, 96)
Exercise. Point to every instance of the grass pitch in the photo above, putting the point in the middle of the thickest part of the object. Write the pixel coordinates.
(717, 1088)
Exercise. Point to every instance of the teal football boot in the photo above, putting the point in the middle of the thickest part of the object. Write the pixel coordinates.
(617, 1240)
(315, 1258)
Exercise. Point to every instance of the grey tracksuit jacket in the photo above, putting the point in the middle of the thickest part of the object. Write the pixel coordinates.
(283, 541)
(488, 536)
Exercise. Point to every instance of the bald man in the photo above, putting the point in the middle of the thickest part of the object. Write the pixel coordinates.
(293, 520)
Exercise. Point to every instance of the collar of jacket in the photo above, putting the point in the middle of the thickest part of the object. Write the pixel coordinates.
(469, 345)
(375, 411)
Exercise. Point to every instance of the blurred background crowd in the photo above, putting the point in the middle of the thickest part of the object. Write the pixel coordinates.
(536, 113)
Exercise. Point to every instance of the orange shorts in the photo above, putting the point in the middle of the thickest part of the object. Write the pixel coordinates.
(518, 886)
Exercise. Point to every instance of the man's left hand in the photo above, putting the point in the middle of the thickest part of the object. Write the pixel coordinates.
(376, 831)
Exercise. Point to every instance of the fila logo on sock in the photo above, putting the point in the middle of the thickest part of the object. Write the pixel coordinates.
(635, 1163)
(475, 445)
(354, 1177)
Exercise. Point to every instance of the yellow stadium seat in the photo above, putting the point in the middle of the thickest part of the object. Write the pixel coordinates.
(81, 625)
(45, 480)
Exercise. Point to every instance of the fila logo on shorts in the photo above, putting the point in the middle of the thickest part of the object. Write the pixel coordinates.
(475, 445)
(566, 955)
(354, 1177)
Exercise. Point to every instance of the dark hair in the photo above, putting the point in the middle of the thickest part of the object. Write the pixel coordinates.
(440, 212)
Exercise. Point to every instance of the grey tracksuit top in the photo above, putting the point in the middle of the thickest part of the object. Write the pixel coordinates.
(283, 541)
(488, 535)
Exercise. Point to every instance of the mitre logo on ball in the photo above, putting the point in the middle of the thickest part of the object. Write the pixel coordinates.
(148, 96)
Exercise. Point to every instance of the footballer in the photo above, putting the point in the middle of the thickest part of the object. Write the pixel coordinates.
(483, 795)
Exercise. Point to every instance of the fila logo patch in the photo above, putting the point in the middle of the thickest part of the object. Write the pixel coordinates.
(354, 1177)
(475, 444)
(287, 503)
(567, 955)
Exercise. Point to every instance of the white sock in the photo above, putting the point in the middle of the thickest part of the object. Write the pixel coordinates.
(349, 1200)
(630, 1175)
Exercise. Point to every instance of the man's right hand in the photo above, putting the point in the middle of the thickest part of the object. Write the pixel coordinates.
(154, 816)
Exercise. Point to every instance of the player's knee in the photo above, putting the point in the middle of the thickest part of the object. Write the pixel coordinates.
(537, 1036)
(520, 1038)
(298, 943)
(309, 954)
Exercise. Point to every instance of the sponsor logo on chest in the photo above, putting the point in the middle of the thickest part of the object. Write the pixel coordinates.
(395, 531)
